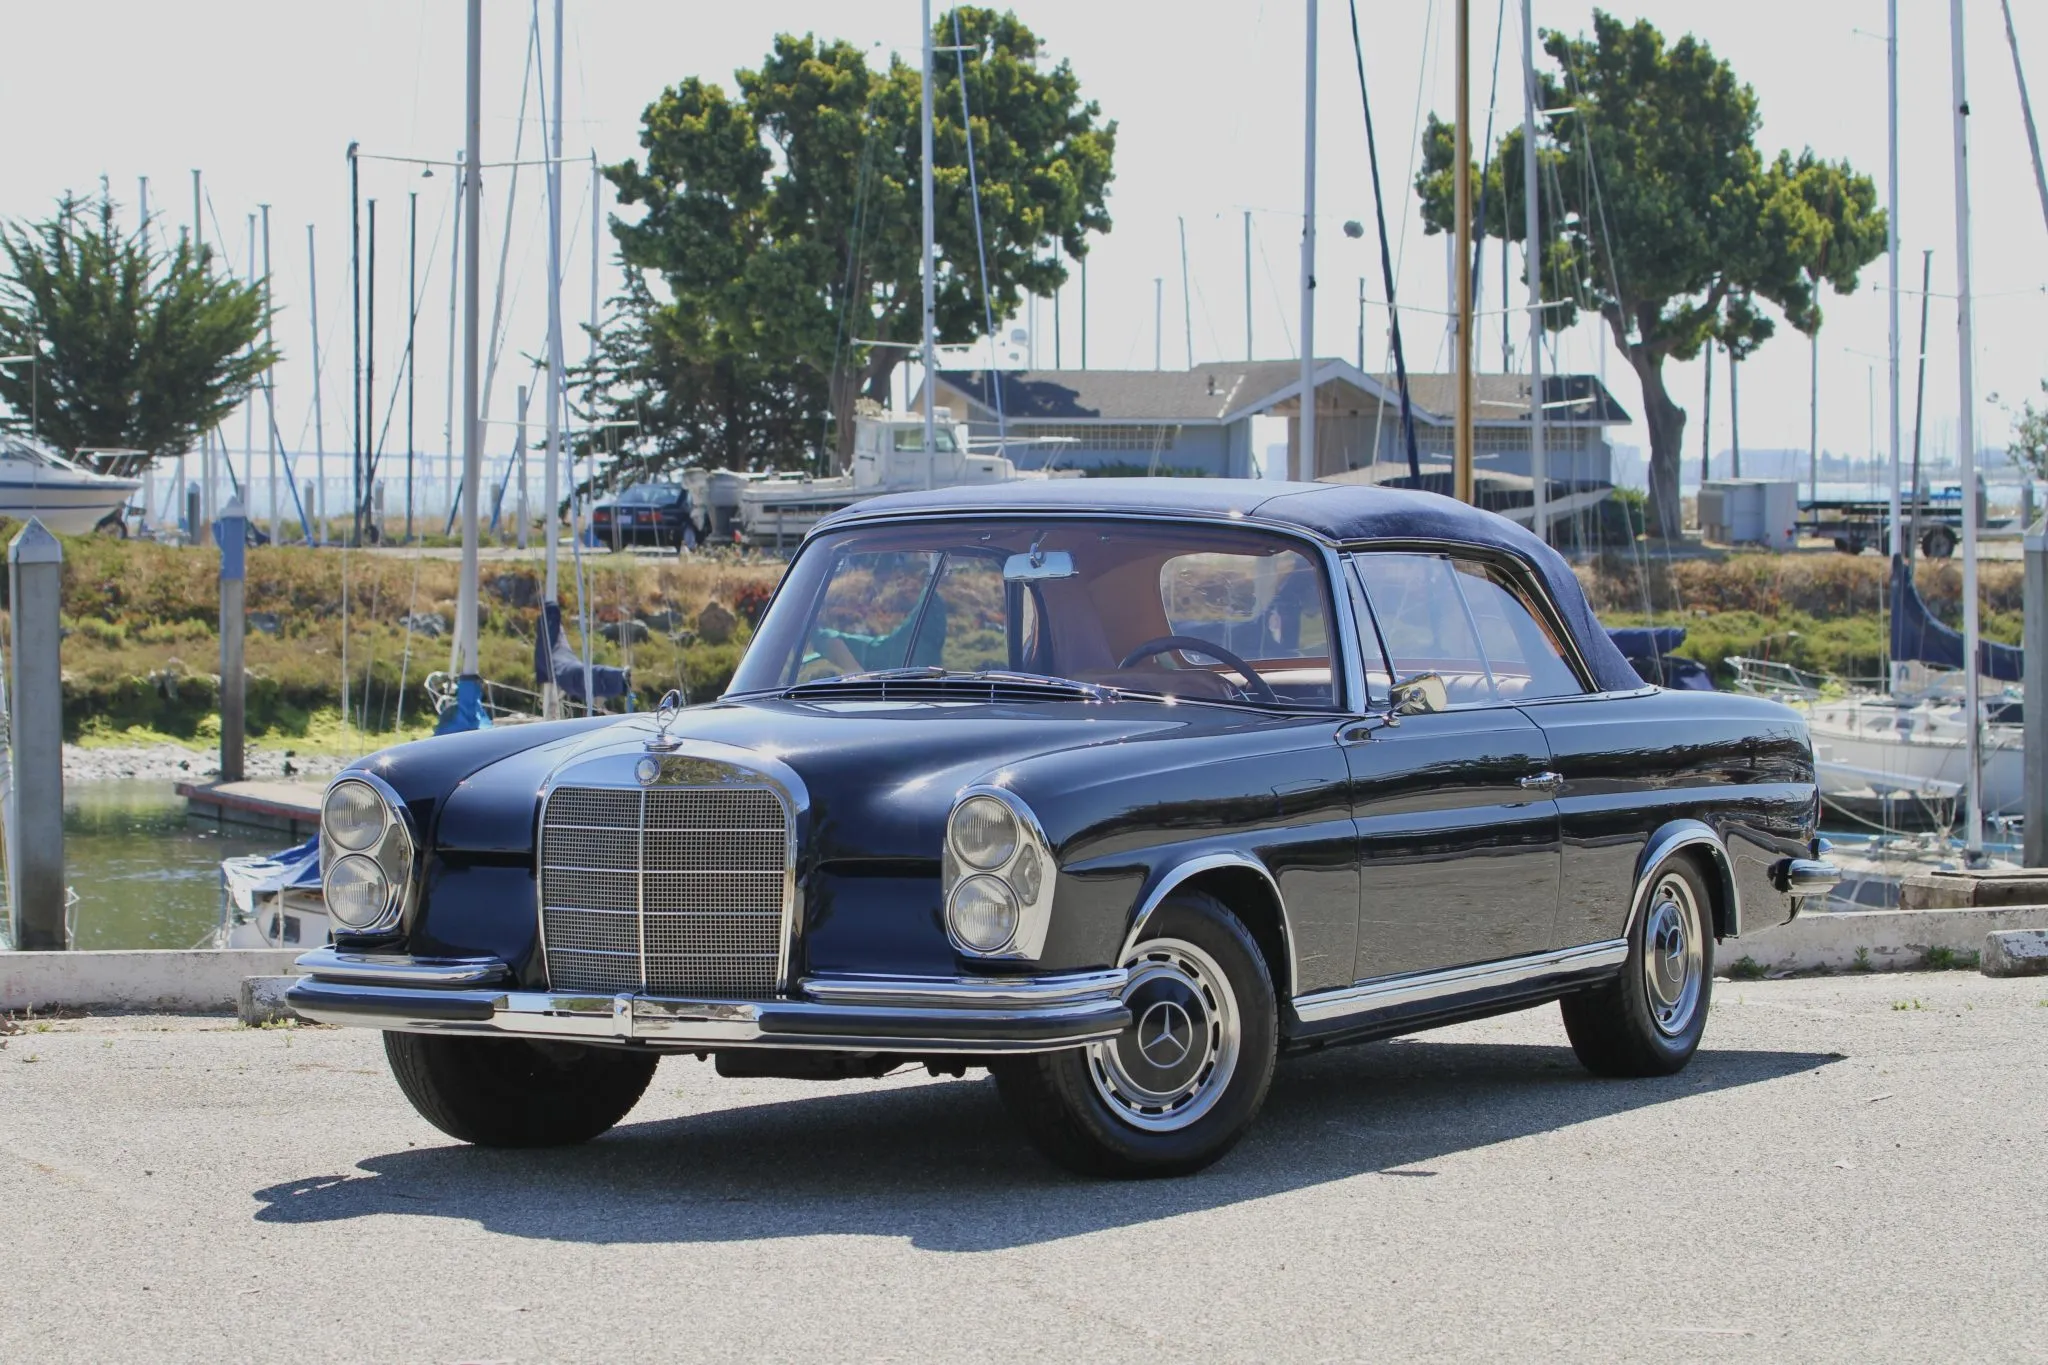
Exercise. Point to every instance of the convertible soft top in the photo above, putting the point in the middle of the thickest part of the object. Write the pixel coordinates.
(1342, 514)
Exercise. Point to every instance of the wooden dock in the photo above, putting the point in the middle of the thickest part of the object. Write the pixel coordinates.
(290, 808)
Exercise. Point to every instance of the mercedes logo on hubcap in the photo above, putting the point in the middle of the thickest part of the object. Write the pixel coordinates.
(1165, 1034)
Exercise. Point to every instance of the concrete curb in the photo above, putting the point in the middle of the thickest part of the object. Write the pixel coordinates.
(262, 1001)
(1888, 940)
(2015, 952)
(199, 980)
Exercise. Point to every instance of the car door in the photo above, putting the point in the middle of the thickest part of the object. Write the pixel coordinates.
(1607, 751)
(1459, 853)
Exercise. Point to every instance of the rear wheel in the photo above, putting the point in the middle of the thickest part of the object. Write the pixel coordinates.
(1180, 1086)
(515, 1093)
(1648, 1022)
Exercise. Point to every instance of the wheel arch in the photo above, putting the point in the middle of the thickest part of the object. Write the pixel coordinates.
(1244, 884)
(1704, 846)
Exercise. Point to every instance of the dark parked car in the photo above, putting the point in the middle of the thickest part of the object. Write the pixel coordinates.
(644, 514)
(1124, 790)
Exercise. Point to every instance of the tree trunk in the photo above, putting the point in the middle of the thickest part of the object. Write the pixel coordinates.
(1666, 421)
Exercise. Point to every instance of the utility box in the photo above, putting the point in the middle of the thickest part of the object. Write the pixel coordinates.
(1750, 512)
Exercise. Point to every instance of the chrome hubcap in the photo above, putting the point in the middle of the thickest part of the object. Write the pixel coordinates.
(1175, 1060)
(1672, 955)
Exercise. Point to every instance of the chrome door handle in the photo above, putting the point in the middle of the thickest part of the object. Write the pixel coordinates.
(1548, 782)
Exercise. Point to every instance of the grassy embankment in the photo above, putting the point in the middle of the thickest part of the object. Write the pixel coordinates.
(1819, 612)
(141, 657)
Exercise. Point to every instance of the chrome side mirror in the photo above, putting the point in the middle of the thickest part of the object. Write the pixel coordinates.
(1419, 695)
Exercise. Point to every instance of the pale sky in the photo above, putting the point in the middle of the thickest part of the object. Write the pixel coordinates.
(265, 98)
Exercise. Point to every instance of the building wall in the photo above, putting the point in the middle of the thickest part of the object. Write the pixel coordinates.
(1215, 452)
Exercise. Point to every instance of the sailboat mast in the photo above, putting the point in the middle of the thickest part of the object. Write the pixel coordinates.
(2026, 109)
(1891, 215)
(551, 481)
(472, 247)
(1539, 473)
(319, 508)
(930, 350)
(1967, 434)
(1305, 459)
(1461, 470)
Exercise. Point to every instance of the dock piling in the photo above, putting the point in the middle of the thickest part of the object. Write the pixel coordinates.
(35, 833)
(232, 535)
(2034, 715)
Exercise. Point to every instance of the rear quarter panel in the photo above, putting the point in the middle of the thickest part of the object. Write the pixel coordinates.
(1634, 763)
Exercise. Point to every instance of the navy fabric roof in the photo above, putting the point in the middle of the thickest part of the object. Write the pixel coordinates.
(1338, 513)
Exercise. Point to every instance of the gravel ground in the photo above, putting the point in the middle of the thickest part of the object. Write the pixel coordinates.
(1855, 1169)
(174, 763)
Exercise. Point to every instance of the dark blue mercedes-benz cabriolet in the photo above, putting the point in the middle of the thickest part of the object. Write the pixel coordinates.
(1124, 790)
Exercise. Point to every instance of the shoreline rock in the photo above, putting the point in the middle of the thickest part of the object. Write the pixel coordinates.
(175, 763)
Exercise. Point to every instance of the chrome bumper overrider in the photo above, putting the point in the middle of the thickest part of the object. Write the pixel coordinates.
(1806, 877)
(918, 1015)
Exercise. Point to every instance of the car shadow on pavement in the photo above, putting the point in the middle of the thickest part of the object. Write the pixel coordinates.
(942, 1166)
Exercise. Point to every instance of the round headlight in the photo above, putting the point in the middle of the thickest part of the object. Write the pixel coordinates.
(984, 914)
(353, 815)
(357, 891)
(984, 832)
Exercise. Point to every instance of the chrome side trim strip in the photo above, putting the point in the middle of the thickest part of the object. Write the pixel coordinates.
(398, 969)
(1389, 993)
(940, 992)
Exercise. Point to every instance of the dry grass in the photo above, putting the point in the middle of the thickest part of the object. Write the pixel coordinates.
(142, 649)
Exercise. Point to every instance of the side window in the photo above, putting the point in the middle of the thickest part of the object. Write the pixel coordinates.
(1521, 653)
(1423, 621)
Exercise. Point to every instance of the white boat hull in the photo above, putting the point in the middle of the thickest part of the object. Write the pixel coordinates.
(67, 508)
(1862, 746)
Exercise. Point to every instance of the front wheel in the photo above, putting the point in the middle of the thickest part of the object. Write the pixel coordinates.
(1180, 1086)
(1648, 1022)
(515, 1093)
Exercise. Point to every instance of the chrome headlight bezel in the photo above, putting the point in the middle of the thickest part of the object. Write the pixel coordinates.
(1028, 867)
(395, 851)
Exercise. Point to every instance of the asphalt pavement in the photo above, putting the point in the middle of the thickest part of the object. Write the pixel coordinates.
(1852, 1169)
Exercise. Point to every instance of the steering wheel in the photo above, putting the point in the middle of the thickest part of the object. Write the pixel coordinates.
(1254, 684)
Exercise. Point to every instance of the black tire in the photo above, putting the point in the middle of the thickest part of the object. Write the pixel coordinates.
(513, 1093)
(1939, 543)
(1061, 1099)
(1632, 1026)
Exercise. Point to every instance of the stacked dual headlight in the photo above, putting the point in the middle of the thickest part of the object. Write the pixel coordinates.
(366, 855)
(998, 876)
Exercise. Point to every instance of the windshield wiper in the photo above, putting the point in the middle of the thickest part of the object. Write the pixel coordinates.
(933, 673)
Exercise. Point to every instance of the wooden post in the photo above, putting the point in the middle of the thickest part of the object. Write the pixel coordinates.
(232, 535)
(2035, 727)
(35, 824)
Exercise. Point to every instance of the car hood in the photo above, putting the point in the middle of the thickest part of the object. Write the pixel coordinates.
(878, 777)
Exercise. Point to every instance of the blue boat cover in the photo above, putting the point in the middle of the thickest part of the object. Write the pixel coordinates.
(1646, 642)
(1339, 514)
(468, 712)
(1917, 637)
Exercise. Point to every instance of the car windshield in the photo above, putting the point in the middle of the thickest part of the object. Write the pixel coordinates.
(648, 494)
(1184, 610)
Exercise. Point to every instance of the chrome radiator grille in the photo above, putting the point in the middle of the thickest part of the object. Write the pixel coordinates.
(676, 891)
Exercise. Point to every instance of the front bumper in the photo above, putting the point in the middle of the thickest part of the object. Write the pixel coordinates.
(919, 1016)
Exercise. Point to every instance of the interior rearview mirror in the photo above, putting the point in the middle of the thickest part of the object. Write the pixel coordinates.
(1420, 694)
(1036, 564)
